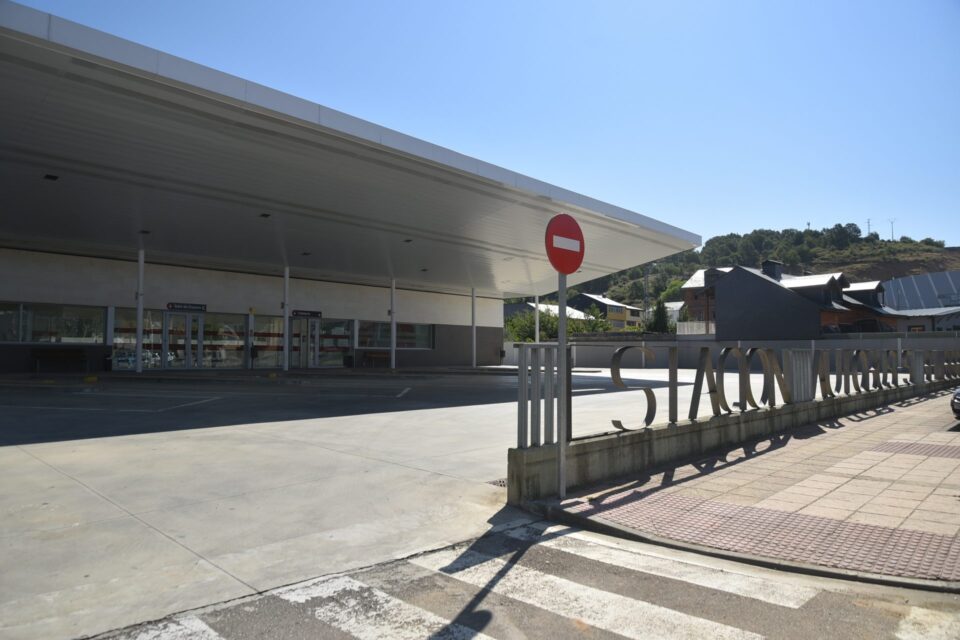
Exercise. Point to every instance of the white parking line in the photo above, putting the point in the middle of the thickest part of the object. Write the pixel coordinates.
(404, 392)
(117, 410)
(187, 404)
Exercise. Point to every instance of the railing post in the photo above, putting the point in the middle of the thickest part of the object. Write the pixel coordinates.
(798, 364)
(535, 395)
(522, 397)
(673, 356)
(549, 394)
(917, 368)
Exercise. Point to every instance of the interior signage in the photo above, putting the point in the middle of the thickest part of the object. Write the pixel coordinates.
(300, 313)
(185, 306)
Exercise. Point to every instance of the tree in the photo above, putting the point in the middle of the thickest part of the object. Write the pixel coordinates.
(595, 323)
(660, 323)
(522, 327)
(673, 293)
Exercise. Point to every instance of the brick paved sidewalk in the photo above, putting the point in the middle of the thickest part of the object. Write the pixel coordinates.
(877, 492)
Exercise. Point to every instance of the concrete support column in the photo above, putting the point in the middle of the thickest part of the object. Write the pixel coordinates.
(111, 327)
(473, 327)
(286, 318)
(248, 347)
(536, 318)
(393, 323)
(139, 358)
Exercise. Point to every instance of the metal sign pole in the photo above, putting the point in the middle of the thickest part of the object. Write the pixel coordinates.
(562, 385)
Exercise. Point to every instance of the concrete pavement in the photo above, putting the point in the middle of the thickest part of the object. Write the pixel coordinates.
(540, 581)
(127, 500)
(875, 495)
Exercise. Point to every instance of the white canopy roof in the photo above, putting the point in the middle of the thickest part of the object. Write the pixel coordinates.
(226, 173)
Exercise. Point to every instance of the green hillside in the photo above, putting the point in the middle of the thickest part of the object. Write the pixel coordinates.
(839, 248)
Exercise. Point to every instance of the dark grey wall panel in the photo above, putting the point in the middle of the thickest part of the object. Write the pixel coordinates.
(751, 308)
(452, 348)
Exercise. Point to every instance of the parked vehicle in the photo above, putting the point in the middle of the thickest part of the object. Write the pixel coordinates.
(955, 404)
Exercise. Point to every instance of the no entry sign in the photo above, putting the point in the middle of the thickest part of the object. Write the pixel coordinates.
(564, 241)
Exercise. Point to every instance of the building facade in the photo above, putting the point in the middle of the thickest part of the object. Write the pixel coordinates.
(159, 214)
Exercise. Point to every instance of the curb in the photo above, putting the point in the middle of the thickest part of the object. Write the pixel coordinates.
(599, 525)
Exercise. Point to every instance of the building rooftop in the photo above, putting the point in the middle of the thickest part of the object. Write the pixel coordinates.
(864, 286)
(609, 301)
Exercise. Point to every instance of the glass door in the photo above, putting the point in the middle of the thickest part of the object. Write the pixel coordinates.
(182, 341)
(304, 343)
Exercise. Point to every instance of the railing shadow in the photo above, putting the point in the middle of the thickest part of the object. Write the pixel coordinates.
(693, 469)
(472, 617)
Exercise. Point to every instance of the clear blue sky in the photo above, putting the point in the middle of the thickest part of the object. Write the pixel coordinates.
(718, 117)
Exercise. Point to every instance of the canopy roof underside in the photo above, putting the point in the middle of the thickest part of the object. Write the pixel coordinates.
(224, 173)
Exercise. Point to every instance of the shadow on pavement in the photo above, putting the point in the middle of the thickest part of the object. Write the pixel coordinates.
(34, 412)
(689, 470)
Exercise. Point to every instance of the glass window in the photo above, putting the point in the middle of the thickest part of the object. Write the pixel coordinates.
(9, 322)
(125, 338)
(63, 324)
(267, 348)
(224, 340)
(336, 343)
(376, 335)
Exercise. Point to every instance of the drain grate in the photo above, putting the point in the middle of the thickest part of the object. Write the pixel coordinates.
(499, 483)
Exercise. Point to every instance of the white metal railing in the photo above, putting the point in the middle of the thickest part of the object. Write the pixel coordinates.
(537, 394)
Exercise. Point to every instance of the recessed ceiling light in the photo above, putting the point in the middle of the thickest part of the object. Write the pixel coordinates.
(51, 177)
(144, 232)
(265, 215)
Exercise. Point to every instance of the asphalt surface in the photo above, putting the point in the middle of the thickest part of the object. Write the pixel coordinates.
(546, 582)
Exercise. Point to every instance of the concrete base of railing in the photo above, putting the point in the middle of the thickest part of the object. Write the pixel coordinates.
(532, 472)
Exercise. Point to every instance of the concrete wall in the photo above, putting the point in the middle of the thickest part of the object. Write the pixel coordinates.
(532, 472)
(30, 276)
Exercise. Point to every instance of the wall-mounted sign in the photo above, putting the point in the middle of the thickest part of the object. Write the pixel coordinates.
(186, 306)
(300, 313)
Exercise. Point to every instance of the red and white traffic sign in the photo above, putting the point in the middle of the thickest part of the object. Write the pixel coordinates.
(564, 241)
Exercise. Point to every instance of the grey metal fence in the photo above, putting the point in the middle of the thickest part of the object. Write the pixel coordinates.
(797, 374)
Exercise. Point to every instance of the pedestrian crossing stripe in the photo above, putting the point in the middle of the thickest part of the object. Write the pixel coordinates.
(185, 628)
(371, 614)
(567, 540)
(601, 609)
